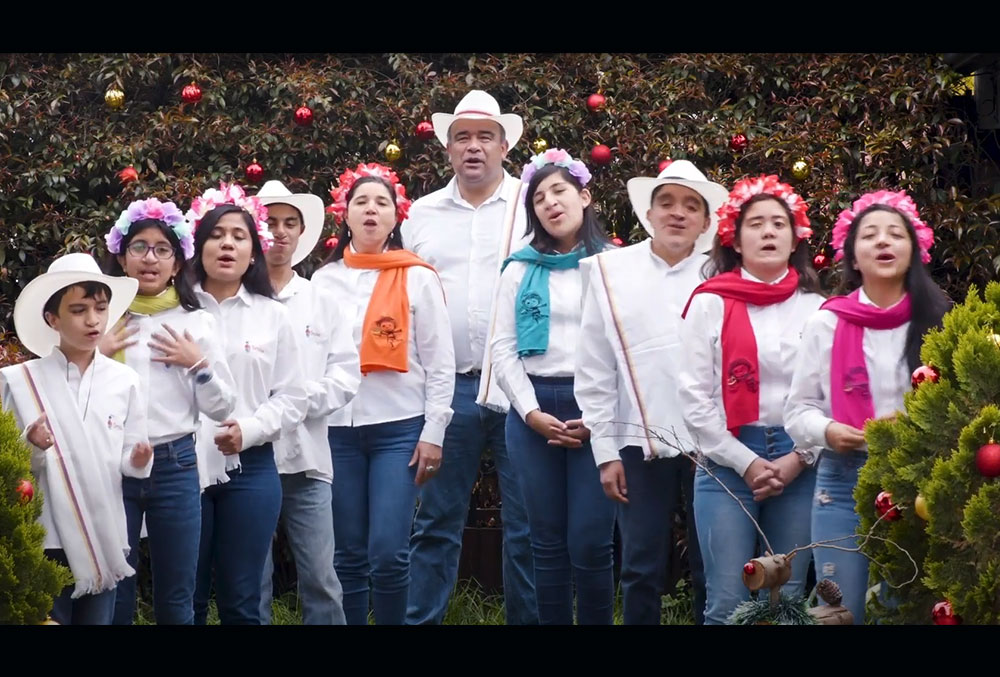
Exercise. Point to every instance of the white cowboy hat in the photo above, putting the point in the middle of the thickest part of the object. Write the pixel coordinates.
(29, 321)
(478, 105)
(309, 205)
(683, 173)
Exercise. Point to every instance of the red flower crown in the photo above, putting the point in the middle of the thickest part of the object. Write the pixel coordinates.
(761, 185)
(348, 179)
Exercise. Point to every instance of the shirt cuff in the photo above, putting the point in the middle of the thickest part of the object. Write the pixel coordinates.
(129, 470)
(433, 433)
(252, 432)
(604, 451)
(738, 456)
(816, 430)
(525, 403)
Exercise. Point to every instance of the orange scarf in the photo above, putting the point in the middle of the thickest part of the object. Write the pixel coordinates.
(386, 331)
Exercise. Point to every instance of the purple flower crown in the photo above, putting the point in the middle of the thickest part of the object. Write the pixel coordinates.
(560, 158)
(167, 212)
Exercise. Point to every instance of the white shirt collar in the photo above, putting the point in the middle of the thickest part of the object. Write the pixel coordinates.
(680, 265)
(452, 193)
(243, 294)
(864, 298)
(293, 287)
(747, 276)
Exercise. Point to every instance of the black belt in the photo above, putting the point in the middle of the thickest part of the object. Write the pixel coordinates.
(473, 373)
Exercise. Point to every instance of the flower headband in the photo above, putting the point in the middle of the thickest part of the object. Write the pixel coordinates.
(167, 212)
(560, 158)
(761, 185)
(231, 194)
(350, 177)
(899, 201)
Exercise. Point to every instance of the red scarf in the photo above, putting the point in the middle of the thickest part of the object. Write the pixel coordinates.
(740, 372)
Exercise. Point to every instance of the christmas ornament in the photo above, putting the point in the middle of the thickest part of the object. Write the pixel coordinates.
(595, 102)
(942, 614)
(738, 143)
(425, 131)
(617, 241)
(303, 116)
(539, 146)
(114, 98)
(191, 93)
(831, 613)
(800, 169)
(393, 152)
(988, 459)
(600, 154)
(924, 373)
(821, 261)
(885, 507)
(331, 242)
(664, 164)
(254, 172)
(920, 507)
(749, 568)
(128, 175)
(26, 491)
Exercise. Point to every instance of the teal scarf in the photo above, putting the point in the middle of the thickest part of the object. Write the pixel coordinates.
(532, 304)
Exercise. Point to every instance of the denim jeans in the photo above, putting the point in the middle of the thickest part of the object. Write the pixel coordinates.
(307, 517)
(238, 520)
(374, 495)
(655, 489)
(834, 516)
(444, 509)
(572, 521)
(170, 498)
(86, 610)
(729, 540)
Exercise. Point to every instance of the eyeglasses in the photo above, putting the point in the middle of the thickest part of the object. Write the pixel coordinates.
(161, 251)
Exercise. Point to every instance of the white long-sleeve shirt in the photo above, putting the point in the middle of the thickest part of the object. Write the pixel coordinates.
(559, 359)
(808, 408)
(175, 397)
(778, 332)
(428, 385)
(332, 375)
(648, 296)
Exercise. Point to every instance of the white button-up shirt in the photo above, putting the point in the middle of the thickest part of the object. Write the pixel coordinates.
(808, 411)
(428, 385)
(332, 375)
(778, 332)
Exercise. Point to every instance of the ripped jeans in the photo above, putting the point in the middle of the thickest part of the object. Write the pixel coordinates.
(834, 516)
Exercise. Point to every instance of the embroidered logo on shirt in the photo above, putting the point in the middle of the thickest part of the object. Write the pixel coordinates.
(742, 370)
(532, 306)
(247, 346)
(313, 334)
(113, 424)
(856, 382)
(385, 329)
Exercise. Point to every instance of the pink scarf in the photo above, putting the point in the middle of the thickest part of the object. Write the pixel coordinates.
(851, 398)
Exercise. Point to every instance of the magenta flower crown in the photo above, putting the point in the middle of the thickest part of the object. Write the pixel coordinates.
(560, 158)
(350, 176)
(231, 194)
(761, 185)
(167, 212)
(899, 201)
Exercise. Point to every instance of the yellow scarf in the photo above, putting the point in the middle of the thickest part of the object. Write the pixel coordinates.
(150, 305)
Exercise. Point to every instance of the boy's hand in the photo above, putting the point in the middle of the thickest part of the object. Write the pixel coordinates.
(141, 453)
(230, 438)
(39, 433)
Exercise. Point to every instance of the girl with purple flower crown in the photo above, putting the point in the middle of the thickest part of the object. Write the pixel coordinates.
(171, 343)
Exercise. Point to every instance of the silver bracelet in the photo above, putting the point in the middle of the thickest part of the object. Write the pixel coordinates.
(196, 366)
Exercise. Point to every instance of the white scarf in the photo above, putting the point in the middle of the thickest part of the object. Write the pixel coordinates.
(77, 489)
(213, 465)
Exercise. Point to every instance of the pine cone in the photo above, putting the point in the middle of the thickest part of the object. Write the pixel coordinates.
(829, 592)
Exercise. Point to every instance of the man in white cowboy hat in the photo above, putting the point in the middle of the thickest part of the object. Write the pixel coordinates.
(330, 360)
(466, 230)
(626, 375)
(84, 418)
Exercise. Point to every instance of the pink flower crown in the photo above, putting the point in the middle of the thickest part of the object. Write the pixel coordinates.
(560, 158)
(899, 201)
(167, 212)
(348, 179)
(232, 194)
(761, 185)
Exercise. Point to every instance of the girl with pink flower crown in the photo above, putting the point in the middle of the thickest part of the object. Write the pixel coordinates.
(741, 333)
(858, 352)
(171, 344)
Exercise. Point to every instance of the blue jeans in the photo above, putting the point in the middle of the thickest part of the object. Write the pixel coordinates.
(728, 539)
(87, 610)
(444, 508)
(171, 500)
(238, 519)
(655, 490)
(572, 521)
(307, 516)
(374, 494)
(834, 516)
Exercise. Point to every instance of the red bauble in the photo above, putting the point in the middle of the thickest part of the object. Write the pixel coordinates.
(128, 175)
(595, 102)
(821, 261)
(331, 242)
(617, 241)
(738, 143)
(600, 154)
(988, 460)
(749, 568)
(943, 614)
(425, 131)
(924, 373)
(885, 507)
(26, 491)
(303, 115)
(664, 164)
(254, 172)
(191, 93)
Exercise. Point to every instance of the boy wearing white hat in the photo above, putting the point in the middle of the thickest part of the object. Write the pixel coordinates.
(330, 361)
(466, 230)
(84, 418)
(626, 374)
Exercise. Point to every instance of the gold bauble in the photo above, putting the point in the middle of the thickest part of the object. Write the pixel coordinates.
(393, 152)
(800, 169)
(920, 507)
(539, 146)
(114, 98)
